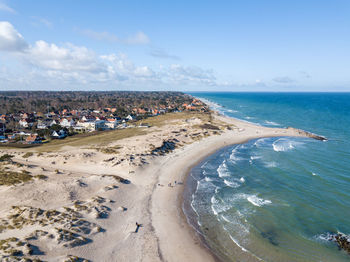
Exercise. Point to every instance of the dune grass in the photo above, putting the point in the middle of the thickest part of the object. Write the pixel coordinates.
(10, 178)
(106, 137)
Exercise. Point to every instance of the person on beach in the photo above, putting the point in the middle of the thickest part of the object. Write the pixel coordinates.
(137, 227)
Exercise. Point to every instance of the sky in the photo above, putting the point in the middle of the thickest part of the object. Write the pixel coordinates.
(237, 45)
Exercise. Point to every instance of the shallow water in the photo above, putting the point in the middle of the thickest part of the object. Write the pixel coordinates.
(276, 199)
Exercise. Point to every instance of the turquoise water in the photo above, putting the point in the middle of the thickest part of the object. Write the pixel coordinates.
(277, 199)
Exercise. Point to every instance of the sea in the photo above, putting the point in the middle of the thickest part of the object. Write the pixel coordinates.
(281, 198)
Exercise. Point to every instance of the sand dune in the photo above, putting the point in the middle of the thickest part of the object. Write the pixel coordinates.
(83, 202)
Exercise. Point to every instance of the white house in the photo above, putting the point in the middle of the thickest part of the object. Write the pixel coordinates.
(88, 125)
(129, 117)
(23, 123)
(53, 122)
(67, 123)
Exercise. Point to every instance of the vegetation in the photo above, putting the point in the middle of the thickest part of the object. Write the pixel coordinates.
(6, 157)
(9, 178)
(42, 101)
(28, 154)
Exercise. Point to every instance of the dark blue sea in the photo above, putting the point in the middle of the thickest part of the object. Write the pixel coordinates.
(277, 199)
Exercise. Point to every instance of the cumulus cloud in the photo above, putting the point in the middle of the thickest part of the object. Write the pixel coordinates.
(283, 80)
(70, 65)
(10, 39)
(6, 8)
(139, 38)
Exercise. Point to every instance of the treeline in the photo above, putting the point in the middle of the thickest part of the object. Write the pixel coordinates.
(43, 101)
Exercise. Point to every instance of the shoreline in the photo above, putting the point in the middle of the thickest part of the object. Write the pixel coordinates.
(177, 239)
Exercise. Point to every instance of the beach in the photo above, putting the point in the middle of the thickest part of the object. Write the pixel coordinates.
(109, 196)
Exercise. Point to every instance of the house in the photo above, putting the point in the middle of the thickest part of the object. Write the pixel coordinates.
(129, 117)
(67, 123)
(100, 125)
(33, 139)
(23, 123)
(41, 125)
(53, 122)
(111, 123)
(86, 125)
(59, 134)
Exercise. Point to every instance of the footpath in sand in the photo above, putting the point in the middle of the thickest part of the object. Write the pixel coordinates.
(106, 197)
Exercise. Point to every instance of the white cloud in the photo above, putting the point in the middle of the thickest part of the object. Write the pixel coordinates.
(10, 39)
(194, 75)
(139, 38)
(71, 65)
(6, 8)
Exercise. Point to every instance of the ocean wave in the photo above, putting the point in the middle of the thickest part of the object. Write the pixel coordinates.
(271, 123)
(313, 173)
(231, 184)
(256, 201)
(255, 157)
(233, 155)
(223, 170)
(242, 179)
(284, 144)
(258, 143)
(236, 242)
(218, 206)
(270, 164)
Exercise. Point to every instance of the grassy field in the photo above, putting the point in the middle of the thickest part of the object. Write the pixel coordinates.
(103, 138)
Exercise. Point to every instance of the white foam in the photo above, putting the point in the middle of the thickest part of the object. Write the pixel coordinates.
(236, 242)
(271, 123)
(259, 142)
(222, 170)
(314, 174)
(208, 179)
(255, 157)
(256, 201)
(284, 144)
(242, 179)
(231, 184)
(270, 164)
(234, 157)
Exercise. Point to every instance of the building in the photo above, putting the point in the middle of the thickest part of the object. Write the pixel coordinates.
(33, 139)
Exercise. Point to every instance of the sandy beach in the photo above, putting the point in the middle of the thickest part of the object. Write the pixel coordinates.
(83, 202)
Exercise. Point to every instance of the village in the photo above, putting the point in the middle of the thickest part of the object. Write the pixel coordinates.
(30, 128)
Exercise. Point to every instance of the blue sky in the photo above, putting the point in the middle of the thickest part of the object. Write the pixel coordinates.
(175, 45)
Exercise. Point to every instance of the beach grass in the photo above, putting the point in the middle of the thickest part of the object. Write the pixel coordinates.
(106, 137)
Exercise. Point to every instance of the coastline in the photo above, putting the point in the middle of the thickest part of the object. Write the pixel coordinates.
(112, 191)
(178, 240)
